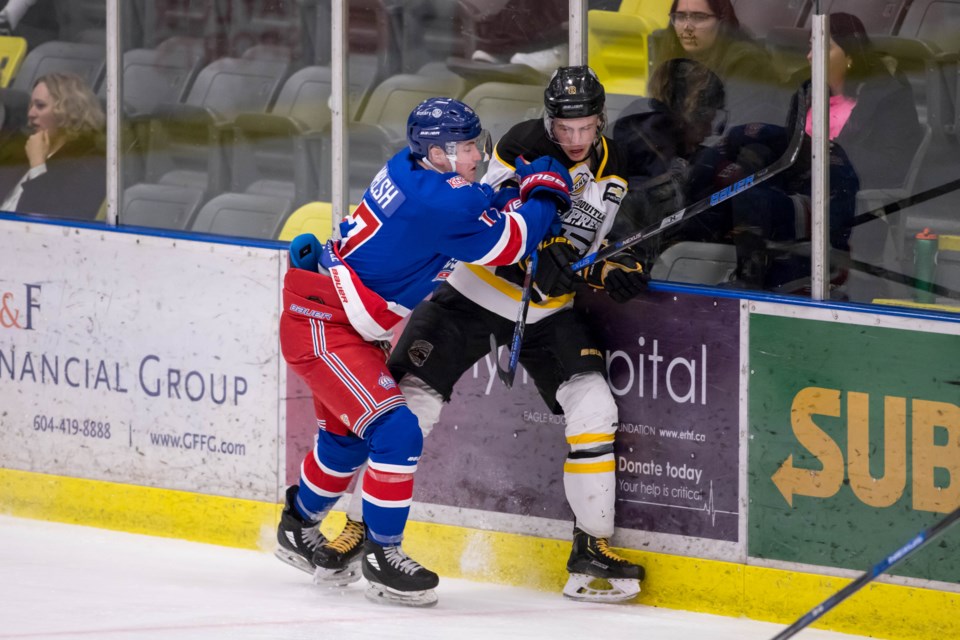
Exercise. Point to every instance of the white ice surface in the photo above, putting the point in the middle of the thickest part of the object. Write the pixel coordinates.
(67, 582)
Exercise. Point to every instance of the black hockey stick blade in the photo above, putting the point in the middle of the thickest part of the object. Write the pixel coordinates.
(507, 375)
(777, 166)
(881, 567)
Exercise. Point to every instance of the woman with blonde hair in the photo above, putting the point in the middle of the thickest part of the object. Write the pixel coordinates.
(66, 176)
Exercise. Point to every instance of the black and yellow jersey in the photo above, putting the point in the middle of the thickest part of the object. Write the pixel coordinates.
(598, 189)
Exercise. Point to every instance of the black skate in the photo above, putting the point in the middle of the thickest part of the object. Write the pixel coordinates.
(337, 562)
(396, 578)
(298, 539)
(591, 560)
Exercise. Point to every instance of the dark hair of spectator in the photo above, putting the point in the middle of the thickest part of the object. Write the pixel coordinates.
(688, 89)
(850, 35)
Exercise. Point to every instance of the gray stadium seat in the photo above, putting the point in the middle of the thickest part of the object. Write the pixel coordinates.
(243, 214)
(703, 263)
(160, 206)
(393, 99)
(501, 105)
(152, 77)
(85, 60)
(186, 141)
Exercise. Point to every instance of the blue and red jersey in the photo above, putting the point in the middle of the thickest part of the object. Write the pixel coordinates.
(412, 227)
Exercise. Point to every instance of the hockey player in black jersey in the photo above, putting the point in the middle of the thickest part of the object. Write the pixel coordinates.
(558, 351)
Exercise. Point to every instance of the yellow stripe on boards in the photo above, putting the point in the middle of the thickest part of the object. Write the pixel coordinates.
(230, 522)
(679, 582)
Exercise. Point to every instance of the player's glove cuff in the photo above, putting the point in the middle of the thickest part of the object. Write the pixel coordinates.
(621, 276)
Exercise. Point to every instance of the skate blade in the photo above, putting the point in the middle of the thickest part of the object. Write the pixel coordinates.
(384, 595)
(332, 578)
(586, 588)
(293, 559)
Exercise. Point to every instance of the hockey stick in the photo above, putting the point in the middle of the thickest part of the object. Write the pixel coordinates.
(780, 164)
(881, 567)
(506, 375)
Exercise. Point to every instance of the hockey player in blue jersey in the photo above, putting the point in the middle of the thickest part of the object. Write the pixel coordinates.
(422, 214)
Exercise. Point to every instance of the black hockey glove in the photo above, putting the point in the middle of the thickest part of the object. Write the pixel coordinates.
(621, 276)
(545, 176)
(554, 276)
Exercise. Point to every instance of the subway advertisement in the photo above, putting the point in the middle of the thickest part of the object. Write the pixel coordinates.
(854, 440)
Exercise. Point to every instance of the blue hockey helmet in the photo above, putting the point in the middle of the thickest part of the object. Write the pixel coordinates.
(441, 122)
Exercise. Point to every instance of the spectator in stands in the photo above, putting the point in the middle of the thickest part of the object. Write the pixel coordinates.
(873, 116)
(874, 132)
(709, 32)
(667, 165)
(66, 172)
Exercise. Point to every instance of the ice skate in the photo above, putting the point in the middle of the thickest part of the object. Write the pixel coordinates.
(591, 563)
(396, 578)
(337, 562)
(298, 539)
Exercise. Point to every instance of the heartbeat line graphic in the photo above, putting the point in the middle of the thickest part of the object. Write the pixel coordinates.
(708, 506)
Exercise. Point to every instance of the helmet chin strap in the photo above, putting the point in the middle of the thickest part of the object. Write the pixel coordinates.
(453, 164)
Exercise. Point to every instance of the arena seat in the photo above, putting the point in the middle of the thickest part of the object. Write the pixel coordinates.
(86, 60)
(392, 100)
(12, 52)
(703, 263)
(161, 206)
(501, 105)
(152, 77)
(243, 214)
(617, 43)
(186, 140)
(313, 217)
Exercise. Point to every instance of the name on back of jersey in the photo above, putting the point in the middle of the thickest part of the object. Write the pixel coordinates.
(385, 193)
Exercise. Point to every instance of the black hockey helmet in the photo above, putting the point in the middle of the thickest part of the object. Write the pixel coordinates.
(574, 92)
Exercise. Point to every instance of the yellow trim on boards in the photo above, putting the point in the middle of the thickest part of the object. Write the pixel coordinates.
(677, 582)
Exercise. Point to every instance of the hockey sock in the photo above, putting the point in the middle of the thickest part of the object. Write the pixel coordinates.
(326, 473)
(395, 442)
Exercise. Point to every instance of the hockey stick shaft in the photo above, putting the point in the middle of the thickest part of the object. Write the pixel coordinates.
(900, 554)
(507, 375)
(899, 205)
(779, 165)
(782, 163)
